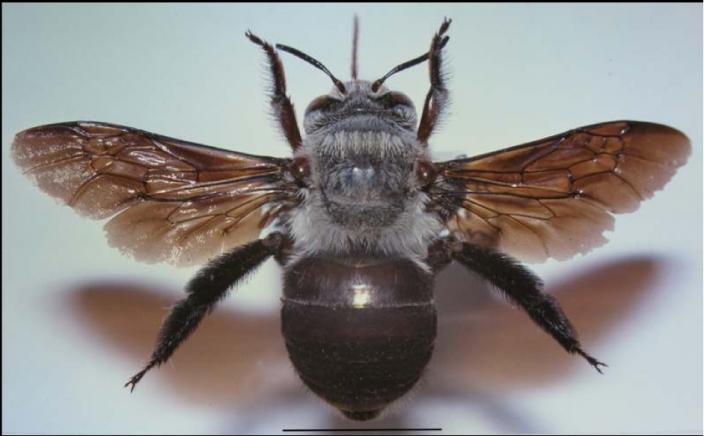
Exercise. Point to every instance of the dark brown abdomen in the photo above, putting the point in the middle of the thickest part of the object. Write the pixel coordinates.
(358, 331)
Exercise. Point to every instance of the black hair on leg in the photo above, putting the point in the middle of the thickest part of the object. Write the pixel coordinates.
(522, 288)
(204, 291)
(437, 97)
(281, 105)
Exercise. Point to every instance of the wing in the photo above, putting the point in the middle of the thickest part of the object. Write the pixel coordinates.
(170, 200)
(554, 197)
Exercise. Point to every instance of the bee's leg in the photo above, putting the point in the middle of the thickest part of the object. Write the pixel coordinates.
(281, 105)
(204, 291)
(437, 97)
(522, 288)
(439, 254)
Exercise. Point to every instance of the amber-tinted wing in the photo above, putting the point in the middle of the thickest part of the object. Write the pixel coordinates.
(170, 200)
(554, 197)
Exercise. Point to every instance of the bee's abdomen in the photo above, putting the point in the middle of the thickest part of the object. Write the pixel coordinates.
(359, 334)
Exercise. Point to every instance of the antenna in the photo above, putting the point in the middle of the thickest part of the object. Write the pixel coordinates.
(422, 58)
(316, 63)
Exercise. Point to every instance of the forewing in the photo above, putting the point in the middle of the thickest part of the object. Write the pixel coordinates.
(554, 197)
(170, 200)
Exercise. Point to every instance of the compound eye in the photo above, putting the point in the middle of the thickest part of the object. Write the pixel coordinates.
(426, 173)
(321, 103)
(393, 98)
(300, 169)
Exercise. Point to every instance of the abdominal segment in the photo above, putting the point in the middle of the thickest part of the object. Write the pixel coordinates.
(359, 332)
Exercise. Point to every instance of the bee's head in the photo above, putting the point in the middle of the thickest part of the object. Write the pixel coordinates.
(359, 103)
(362, 148)
(360, 107)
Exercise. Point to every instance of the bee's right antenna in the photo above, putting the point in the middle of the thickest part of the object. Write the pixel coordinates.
(316, 63)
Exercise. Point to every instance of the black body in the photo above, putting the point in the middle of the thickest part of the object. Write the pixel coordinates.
(359, 331)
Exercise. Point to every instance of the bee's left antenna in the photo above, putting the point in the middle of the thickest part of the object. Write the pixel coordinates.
(422, 58)
(413, 62)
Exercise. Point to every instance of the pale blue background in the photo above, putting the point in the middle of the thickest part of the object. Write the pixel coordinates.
(518, 73)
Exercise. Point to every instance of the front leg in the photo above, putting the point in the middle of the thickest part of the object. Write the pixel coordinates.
(281, 105)
(437, 98)
(518, 284)
(204, 291)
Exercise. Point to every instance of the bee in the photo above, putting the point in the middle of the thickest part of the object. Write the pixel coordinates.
(360, 218)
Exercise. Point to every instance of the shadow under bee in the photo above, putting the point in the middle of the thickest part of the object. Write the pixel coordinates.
(230, 353)
(237, 360)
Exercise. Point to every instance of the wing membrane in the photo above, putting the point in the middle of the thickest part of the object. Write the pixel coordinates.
(554, 197)
(170, 200)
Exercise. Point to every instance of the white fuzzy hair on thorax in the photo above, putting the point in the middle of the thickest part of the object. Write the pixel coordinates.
(378, 143)
(315, 232)
(408, 236)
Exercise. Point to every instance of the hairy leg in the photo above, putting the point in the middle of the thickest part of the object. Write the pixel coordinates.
(281, 105)
(204, 291)
(437, 97)
(518, 284)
